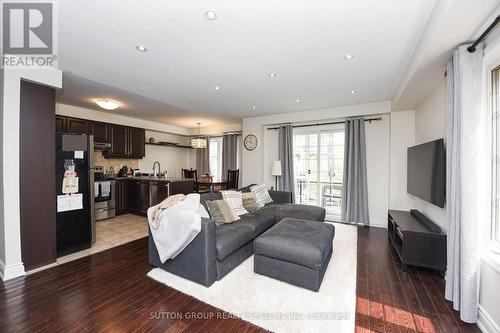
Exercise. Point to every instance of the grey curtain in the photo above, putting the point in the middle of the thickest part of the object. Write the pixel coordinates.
(354, 185)
(229, 153)
(202, 159)
(287, 180)
(463, 179)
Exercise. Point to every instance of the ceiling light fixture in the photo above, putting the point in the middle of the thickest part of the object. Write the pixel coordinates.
(141, 48)
(297, 100)
(217, 88)
(353, 92)
(271, 75)
(349, 56)
(199, 142)
(211, 15)
(254, 107)
(107, 104)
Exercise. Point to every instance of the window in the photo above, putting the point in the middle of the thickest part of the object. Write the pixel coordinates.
(495, 103)
(215, 157)
(319, 166)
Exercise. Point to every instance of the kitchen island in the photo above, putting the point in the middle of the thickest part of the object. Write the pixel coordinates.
(136, 194)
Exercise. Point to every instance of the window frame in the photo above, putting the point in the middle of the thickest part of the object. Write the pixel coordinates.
(336, 128)
(218, 141)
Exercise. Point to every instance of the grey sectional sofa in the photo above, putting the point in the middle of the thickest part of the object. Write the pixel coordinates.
(218, 249)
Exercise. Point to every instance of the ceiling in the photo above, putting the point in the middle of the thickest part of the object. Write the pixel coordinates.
(302, 42)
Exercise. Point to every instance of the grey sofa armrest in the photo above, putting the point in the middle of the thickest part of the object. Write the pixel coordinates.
(197, 261)
(281, 196)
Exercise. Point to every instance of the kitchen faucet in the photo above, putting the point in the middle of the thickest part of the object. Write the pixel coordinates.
(154, 169)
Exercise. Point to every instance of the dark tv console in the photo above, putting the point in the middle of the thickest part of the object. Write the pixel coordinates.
(417, 240)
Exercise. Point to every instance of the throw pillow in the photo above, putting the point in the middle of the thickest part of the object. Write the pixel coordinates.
(236, 200)
(221, 211)
(261, 195)
(249, 202)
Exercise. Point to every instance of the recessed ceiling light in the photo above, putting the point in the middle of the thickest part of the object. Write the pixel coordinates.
(254, 107)
(349, 56)
(211, 15)
(141, 48)
(271, 75)
(354, 92)
(217, 88)
(297, 100)
(107, 104)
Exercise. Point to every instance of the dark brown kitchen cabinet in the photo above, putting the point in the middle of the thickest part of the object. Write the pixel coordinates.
(121, 197)
(138, 197)
(126, 142)
(100, 131)
(136, 137)
(119, 141)
(184, 187)
(77, 126)
(60, 123)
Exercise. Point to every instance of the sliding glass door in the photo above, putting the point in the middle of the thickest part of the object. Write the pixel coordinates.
(319, 163)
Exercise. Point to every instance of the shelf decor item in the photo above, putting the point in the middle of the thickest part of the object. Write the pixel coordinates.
(151, 140)
(199, 142)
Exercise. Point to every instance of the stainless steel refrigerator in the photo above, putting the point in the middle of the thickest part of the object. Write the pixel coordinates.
(74, 188)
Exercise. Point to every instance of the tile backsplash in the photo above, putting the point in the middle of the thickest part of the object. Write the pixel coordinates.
(107, 163)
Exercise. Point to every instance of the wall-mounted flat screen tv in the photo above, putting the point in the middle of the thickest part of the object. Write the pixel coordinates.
(426, 176)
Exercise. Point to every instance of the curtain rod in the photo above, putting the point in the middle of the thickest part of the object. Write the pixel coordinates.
(492, 26)
(323, 124)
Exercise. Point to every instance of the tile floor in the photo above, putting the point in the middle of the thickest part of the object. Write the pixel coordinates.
(109, 233)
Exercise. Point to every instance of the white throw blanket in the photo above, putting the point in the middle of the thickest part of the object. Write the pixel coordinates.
(178, 226)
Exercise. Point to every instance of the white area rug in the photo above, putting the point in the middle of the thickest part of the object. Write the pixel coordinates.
(279, 306)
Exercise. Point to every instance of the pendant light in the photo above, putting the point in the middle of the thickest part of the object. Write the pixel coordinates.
(199, 142)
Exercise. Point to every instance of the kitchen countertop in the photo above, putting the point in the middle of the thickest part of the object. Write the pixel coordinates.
(153, 179)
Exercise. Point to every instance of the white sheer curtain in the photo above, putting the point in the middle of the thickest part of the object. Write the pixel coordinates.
(465, 163)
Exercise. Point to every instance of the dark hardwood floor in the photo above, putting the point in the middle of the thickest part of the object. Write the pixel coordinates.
(389, 300)
(109, 292)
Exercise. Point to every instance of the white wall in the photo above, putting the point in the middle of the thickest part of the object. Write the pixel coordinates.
(257, 163)
(430, 124)
(11, 263)
(171, 159)
(402, 137)
(253, 161)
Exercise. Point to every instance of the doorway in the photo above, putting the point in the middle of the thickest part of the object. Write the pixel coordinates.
(319, 164)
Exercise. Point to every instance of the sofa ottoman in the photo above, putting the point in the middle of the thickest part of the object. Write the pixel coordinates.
(296, 251)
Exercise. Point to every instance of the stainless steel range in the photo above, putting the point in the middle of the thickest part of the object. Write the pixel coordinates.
(104, 195)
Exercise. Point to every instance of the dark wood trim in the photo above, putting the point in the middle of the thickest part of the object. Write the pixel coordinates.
(37, 175)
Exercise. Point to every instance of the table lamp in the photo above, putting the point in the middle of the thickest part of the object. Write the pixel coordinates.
(276, 171)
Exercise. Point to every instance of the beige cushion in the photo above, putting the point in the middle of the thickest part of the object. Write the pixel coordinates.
(235, 200)
(249, 202)
(221, 211)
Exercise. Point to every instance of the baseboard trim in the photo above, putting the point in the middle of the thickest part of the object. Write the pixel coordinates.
(486, 323)
(378, 222)
(12, 271)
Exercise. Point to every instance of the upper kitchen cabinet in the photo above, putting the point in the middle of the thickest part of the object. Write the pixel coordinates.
(126, 142)
(137, 142)
(100, 131)
(60, 123)
(119, 142)
(77, 126)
